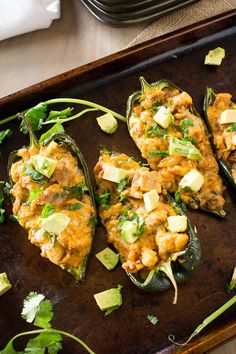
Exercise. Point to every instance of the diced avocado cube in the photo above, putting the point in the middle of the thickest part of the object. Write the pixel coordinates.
(5, 284)
(151, 200)
(129, 230)
(113, 174)
(183, 148)
(109, 300)
(107, 123)
(177, 223)
(192, 180)
(44, 165)
(215, 56)
(55, 223)
(228, 116)
(163, 117)
(108, 258)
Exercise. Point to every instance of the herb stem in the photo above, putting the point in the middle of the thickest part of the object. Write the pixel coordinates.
(51, 330)
(72, 100)
(64, 120)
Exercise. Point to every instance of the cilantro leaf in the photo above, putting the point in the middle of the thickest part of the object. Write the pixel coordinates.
(232, 128)
(60, 114)
(34, 194)
(121, 185)
(49, 341)
(78, 191)
(157, 131)
(56, 128)
(179, 202)
(47, 210)
(155, 153)
(44, 314)
(152, 319)
(75, 206)
(4, 134)
(104, 199)
(9, 349)
(31, 306)
(30, 171)
(35, 116)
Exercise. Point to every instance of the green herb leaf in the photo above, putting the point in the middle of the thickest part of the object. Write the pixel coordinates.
(232, 128)
(104, 199)
(75, 206)
(152, 319)
(47, 210)
(4, 134)
(78, 191)
(34, 194)
(122, 199)
(163, 133)
(56, 128)
(60, 114)
(35, 116)
(121, 185)
(44, 314)
(178, 201)
(2, 191)
(185, 124)
(155, 153)
(125, 216)
(30, 171)
(31, 306)
(44, 341)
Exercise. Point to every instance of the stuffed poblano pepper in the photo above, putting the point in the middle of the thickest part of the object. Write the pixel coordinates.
(53, 200)
(220, 114)
(172, 137)
(156, 242)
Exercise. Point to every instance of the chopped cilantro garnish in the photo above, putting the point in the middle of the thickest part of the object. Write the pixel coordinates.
(184, 125)
(178, 201)
(157, 131)
(125, 216)
(121, 185)
(232, 128)
(104, 199)
(75, 206)
(30, 171)
(35, 116)
(47, 210)
(155, 153)
(152, 319)
(78, 191)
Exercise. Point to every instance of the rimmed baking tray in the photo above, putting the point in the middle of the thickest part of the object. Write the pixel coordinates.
(128, 7)
(179, 57)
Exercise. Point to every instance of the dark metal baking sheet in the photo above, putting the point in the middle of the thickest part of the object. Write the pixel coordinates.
(109, 81)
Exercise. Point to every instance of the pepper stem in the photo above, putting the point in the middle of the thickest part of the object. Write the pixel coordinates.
(166, 268)
(33, 139)
(145, 86)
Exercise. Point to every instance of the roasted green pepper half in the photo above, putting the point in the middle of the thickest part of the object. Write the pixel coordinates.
(223, 135)
(171, 135)
(137, 218)
(53, 199)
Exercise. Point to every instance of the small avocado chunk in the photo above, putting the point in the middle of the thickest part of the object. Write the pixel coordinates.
(109, 300)
(5, 284)
(113, 174)
(55, 223)
(177, 223)
(129, 230)
(108, 123)
(151, 200)
(192, 180)
(183, 148)
(44, 165)
(228, 116)
(163, 117)
(108, 258)
(215, 56)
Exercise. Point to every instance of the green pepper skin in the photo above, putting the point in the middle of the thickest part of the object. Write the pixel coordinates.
(63, 139)
(225, 167)
(134, 98)
(157, 279)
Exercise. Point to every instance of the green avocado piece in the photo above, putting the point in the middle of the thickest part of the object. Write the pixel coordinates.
(108, 258)
(129, 230)
(55, 223)
(215, 56)
(107, 123)
(109, 300)
(5, 284)
(44, 165)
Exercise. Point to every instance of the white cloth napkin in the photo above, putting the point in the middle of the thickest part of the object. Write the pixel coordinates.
(21, 16)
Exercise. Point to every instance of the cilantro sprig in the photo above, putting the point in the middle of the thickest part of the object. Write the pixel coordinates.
(39, 311)
(103, 199)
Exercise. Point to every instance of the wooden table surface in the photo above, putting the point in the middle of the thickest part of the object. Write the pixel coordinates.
(77, 38)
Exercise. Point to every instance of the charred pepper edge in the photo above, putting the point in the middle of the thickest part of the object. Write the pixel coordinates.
(157, 280)
(166, 83)
(78, 273)
(225, 167)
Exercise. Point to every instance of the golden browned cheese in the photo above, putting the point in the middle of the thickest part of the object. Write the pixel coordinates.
(69, 248)
(156, 243)
(173, 167)
(224, 140)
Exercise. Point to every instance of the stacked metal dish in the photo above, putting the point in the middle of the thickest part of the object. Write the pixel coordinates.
(127, 12)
